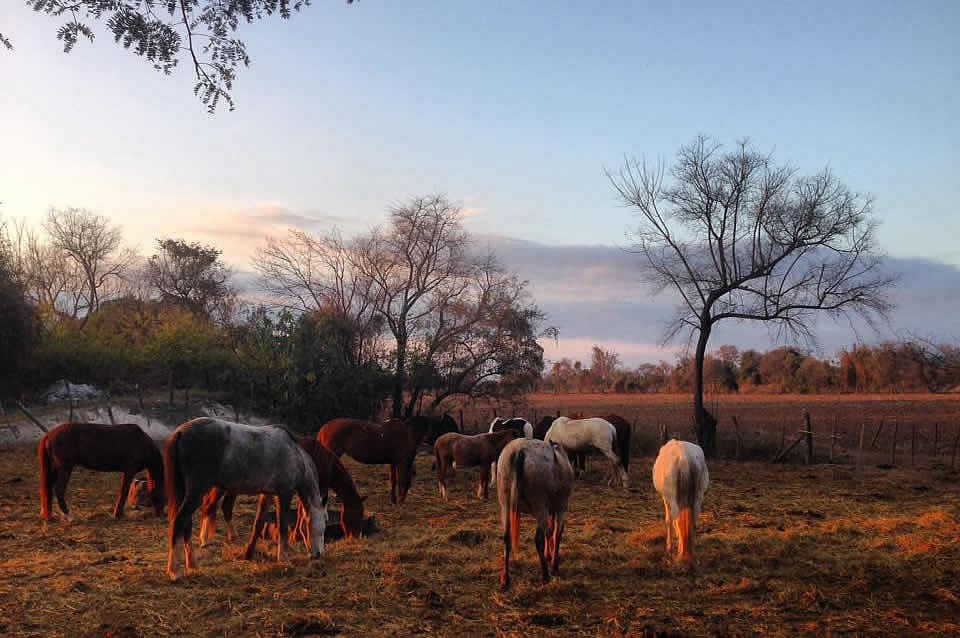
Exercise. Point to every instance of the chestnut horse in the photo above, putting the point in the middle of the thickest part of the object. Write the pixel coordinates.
(460, 450)
(102, 448)
(205, 453)
(330, 474)
(534, 477)
(393, 443)
(680, 476)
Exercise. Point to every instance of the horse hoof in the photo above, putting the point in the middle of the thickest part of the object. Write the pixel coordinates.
(172, 575)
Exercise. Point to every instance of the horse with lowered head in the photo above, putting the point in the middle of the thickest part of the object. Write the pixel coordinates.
(534, 477)
(393, 443)
(460, 450)
(680, 476)
(624, 431)
(208, 453)
(579, 435)
(330, 474)
(102, 448)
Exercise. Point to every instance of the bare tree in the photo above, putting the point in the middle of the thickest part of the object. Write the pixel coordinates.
(417, 264)
(742, 238)
(93, 244)
(306, 273)
(603, 366)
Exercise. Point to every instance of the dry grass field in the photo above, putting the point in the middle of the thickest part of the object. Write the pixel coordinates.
(783, 550)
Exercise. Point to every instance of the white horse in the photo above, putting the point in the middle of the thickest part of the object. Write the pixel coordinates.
(534, 478)
(578, 435)
(518, 424)
(681, 477)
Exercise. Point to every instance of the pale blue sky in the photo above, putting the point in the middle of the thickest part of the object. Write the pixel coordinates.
(511, 108)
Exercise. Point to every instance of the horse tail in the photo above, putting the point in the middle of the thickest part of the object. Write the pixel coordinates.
(687, 480)
(47, 477)
(173, 478)
(516, 482)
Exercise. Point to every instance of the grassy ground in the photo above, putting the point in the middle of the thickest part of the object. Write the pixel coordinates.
(782, 551)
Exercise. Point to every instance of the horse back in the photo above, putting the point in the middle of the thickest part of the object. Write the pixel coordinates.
(100, 447)
(368, 442)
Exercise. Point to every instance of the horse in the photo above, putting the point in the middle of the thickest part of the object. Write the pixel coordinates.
(622, 426)
(205, 453)
(680, 476)
(542, 426)
(433, 427)
(392, 443)
(577, 435)
(330, 474)
(102, 448)
(454, 450)
(534, 477)
(521, 426)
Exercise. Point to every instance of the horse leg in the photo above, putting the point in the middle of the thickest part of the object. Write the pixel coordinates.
(442, 477)
(558, 526)
(124, 488)
(60, 489)
(483, 489)
(540, 540)
(505, 575)
(257, 528)
(208, 516)
(669, 526)
(229, 499)
(282, 503)
(181, 525)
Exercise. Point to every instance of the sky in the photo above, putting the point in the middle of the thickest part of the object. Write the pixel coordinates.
(513, 110)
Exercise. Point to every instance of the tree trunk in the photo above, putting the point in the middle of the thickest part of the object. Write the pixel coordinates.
(399, 378)
(706, 427)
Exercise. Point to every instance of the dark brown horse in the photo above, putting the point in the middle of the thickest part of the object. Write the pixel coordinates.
(393, 443)
(330, 475)
(433, 427)
(460, 450)
(102, 448)
(541, 427)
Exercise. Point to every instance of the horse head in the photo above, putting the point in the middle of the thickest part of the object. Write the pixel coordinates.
(158, 499)
(352, 519)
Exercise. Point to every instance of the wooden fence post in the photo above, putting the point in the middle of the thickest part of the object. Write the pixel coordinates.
(913, 444)
(953, 455)
(936, 440)
(833, 437)
(863, 426)
(893, 446)
(876, 435)
(809, 434)
(736, 432)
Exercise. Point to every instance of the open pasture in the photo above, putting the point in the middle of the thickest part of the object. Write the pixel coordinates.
(781, 550)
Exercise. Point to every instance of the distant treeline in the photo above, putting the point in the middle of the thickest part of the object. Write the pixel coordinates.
(887, 367)
(405, 315)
